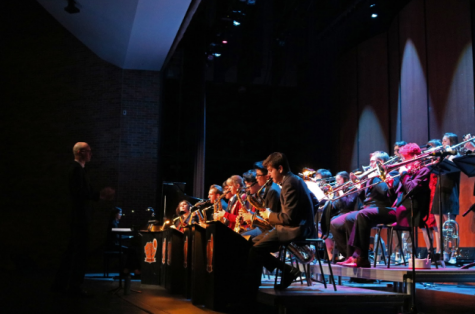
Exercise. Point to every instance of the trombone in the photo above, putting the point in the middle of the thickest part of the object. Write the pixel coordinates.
(383, 171)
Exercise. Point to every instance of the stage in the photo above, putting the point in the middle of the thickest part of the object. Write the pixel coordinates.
(401, 276)
(351, 298)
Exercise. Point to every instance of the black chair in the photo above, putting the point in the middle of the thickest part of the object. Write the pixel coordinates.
(395, 227)
(316, 242)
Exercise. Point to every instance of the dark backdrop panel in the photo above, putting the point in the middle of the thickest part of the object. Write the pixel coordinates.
(348, 108)
(413, 83)
(450, 62)
(394, 82)
(373, 97)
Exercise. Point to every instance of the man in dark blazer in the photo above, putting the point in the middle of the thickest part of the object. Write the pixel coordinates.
(376, 210)
(293, 222)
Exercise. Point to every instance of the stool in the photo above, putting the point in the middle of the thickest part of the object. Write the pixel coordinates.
(108, 255)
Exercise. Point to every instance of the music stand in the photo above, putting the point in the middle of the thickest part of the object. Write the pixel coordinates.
(466, 164)
(443, 167)
(120, 232)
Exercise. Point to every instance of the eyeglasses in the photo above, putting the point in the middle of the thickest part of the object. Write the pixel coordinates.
(250, 186)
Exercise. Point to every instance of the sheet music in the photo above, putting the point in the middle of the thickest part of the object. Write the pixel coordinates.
(121, 230)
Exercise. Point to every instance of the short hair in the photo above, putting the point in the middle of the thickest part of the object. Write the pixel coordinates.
(259, 165)
(218, 189)
(434, 143)
(383, 156)
(324, 173)
(275, 160)
(410, 149)
(250, 176)
(453, 138)
(78, 146)
(178, 207)
(237, 180)
(344, 175)
(400, 143)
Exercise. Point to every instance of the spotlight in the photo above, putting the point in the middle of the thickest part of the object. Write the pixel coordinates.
(236, 23)
(217, 54)
(71, 8)
(224, 41)
(373, 10)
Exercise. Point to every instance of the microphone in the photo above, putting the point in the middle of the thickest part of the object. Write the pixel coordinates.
(469, 210)
(443, 154)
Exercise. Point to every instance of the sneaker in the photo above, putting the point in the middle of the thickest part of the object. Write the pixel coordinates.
(350, 259)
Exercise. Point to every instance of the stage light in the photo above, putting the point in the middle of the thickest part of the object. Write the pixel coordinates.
(236, 23)
(224, 41)
(217, 54)
(373, 10)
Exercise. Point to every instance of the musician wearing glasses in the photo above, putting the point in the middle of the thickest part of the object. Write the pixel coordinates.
(293, 222)
(376, 210)
(252, 188)
(449, 193)
(271, 192)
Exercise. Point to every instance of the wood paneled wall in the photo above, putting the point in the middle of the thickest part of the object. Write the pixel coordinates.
(413, 83)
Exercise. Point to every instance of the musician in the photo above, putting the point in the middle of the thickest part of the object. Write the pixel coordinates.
(413, 184)
(376, 210)
(430, 221)
(293, 222)
(333, 209)
(397, 147)
(271, 192)
(252, 188)
(130, 258)
(235, 185)
(183, 211)
(449, 193)
(215, 192)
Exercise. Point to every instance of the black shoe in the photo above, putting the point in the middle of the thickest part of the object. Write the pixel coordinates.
(291, 274)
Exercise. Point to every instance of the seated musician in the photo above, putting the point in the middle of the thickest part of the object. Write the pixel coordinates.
(293, 222)
(252, 190)
(184, 216)
(413, 184)
(357, 224)
(271, 192)
(236, 187)
(215, 193)
(345, 203)
(130, 253)
(397, 147)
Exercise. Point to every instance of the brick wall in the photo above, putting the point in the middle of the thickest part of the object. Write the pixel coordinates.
(57, 92)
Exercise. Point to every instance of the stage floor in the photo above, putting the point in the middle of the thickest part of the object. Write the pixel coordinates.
(29, 292)
(401, 273)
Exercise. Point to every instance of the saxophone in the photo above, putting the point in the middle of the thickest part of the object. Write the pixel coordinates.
(219, 207)
(257, 220)
(239, 220)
